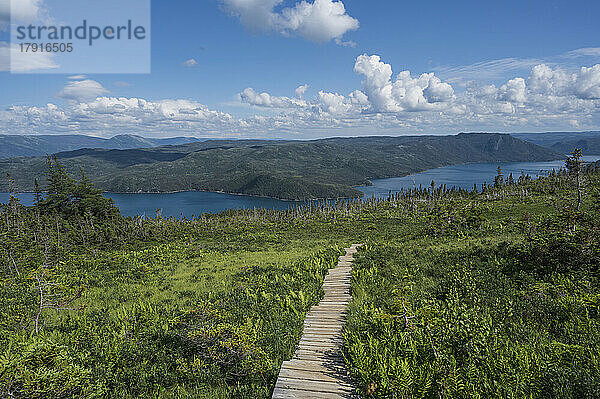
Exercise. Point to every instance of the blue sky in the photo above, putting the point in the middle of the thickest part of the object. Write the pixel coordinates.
(489, 66)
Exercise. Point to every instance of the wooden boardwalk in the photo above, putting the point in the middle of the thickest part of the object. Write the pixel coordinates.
(317, 368)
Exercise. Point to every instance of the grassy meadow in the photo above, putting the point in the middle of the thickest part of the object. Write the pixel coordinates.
(456, 294)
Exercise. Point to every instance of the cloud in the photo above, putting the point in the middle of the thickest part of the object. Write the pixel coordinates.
(300, 91)
(320, 21)
(514, 91)
(426, 92)
(545, 98)
(334, 104)
(82, 90)
(583, 84)
(345, 43)
(21, 11)
(107, 116)
(583, 52)
(77, 77)
(503, 68)
(250, 96)
(12, 59)
(142, 111)
(486, 70)
(190, 63)
(122, 84)
(587, 83)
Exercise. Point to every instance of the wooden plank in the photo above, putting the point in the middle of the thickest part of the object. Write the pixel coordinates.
(334, 351)
(341, 304)
(320, 346)
(331, 327)
(280, 393)
(334, 306)
(340, 311)
(324, 332)
(329, 343)
(312, 340)
(312, 365)
(330, 356)
(317, 368)
(326, 314)
(315, 386)
(312, 375)
(329, 318)
(333, 360)
(322, 324)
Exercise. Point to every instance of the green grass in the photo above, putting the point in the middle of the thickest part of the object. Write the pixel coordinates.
(506, 308)
(455, 295)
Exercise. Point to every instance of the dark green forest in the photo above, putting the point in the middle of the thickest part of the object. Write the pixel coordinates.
(12, 146)
(456, 294)
(296, 170)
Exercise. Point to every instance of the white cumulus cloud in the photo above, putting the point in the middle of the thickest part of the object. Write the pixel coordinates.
(545, 98)
(406, 93)
(82, 90)
(300, 90)
(21, 11)
(250, 96)
(319, 21)
(514, 91)
(190, 63)
(13, 59)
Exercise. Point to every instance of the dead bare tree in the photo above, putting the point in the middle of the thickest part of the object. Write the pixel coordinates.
(49, 299)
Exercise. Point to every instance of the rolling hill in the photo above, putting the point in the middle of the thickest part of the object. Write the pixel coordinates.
(550, 139)
(589, 146)
(31, 146)
(327, 168)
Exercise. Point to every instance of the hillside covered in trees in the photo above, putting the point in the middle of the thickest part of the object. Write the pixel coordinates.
(12, 146)
(455, 294)
(328, 168)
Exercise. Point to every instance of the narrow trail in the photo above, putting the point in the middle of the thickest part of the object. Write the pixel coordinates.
(317, 368)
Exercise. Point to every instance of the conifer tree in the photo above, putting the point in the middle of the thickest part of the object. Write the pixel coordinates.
(499, 179)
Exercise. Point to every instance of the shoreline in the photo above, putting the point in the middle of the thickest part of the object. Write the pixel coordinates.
(209, 191)
(311, 199)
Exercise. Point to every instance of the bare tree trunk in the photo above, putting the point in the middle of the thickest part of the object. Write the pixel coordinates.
(41, 307)
(14, 263)
(578, 191)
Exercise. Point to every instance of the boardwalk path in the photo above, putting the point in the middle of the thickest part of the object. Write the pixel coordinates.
(317, 368)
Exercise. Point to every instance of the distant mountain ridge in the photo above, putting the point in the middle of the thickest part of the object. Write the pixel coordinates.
(550, 139)
(589, 146)
(326, 168)
(12, 146)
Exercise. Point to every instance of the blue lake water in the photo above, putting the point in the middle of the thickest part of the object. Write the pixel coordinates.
(188, 204)
(183, 204)
(463, 176)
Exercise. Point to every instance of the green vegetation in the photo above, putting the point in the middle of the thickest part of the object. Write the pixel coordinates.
(550, 139)
(299, 170)
(589, 145)
(40, 145)
(456, 294)
(494, 297)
